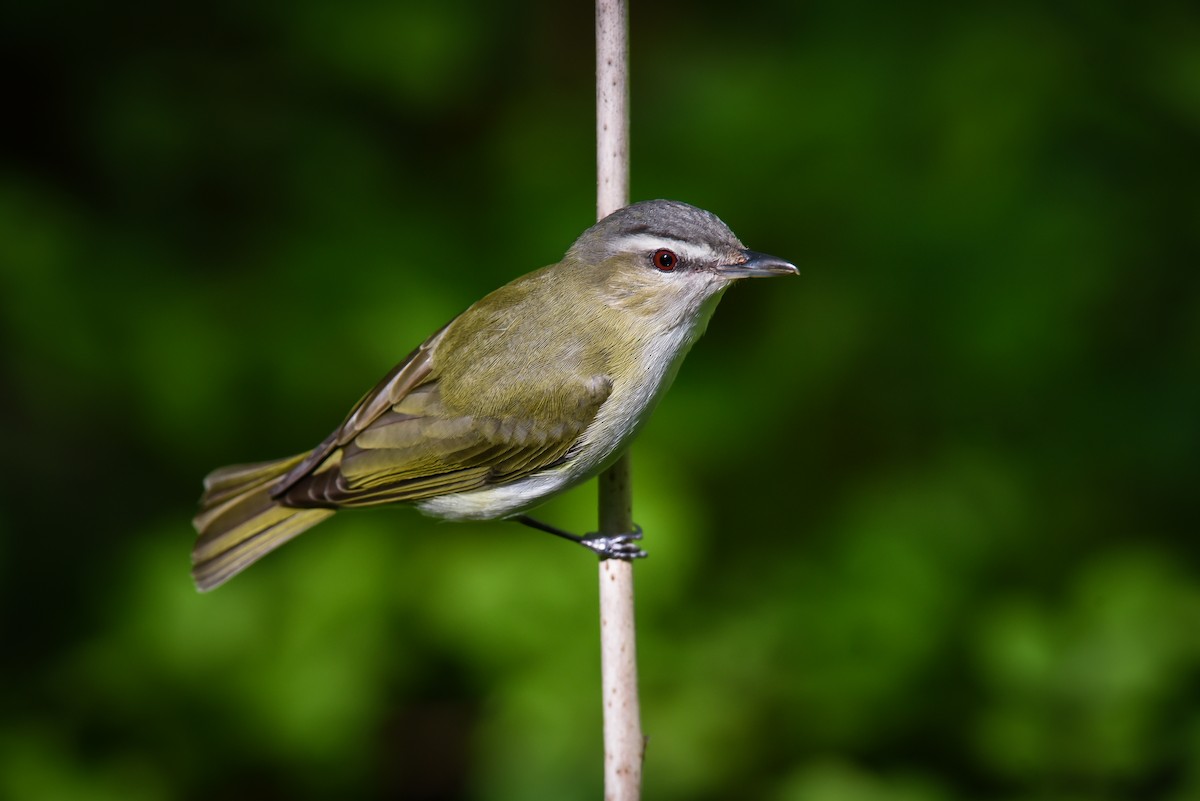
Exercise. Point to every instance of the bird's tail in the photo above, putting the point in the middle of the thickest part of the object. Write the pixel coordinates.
(239, 522)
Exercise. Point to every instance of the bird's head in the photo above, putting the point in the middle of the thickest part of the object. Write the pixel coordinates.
(666, 258)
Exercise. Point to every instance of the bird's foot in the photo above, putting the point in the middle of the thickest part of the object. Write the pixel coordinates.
(615, 546)
(606, 546)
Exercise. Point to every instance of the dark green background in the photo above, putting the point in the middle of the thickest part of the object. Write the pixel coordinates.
(922, 521)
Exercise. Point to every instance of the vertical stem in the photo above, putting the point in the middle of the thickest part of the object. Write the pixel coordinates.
(624, 745)
(612, 106)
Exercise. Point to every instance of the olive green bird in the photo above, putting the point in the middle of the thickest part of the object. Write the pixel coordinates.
(535, 388)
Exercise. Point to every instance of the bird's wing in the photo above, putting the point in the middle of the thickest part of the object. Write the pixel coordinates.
(403, 378)
(418, 448)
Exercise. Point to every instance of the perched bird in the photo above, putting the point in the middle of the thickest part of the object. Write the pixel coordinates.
(535, 388)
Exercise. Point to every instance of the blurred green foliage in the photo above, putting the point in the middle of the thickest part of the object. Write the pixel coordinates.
(922, 522)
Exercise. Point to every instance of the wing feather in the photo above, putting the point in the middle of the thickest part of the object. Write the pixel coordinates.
(419, 448)
(395, 386)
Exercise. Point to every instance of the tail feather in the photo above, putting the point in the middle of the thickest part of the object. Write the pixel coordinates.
(239, 522)
(226, 482)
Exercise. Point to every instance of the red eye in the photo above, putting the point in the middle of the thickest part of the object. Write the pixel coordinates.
(665, 260)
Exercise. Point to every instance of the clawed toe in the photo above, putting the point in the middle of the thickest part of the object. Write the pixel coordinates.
(616, 546)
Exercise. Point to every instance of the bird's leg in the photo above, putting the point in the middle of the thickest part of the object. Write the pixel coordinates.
(606, 546)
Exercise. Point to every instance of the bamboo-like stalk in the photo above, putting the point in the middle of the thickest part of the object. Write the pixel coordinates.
(624, 744)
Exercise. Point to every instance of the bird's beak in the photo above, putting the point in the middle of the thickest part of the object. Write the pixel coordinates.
(757, 265)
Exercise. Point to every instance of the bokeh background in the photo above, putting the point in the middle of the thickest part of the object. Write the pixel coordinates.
(922, 521)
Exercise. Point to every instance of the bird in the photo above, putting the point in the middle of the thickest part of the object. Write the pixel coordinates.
(532, 390)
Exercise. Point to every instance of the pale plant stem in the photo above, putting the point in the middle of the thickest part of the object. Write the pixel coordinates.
(624, 744)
